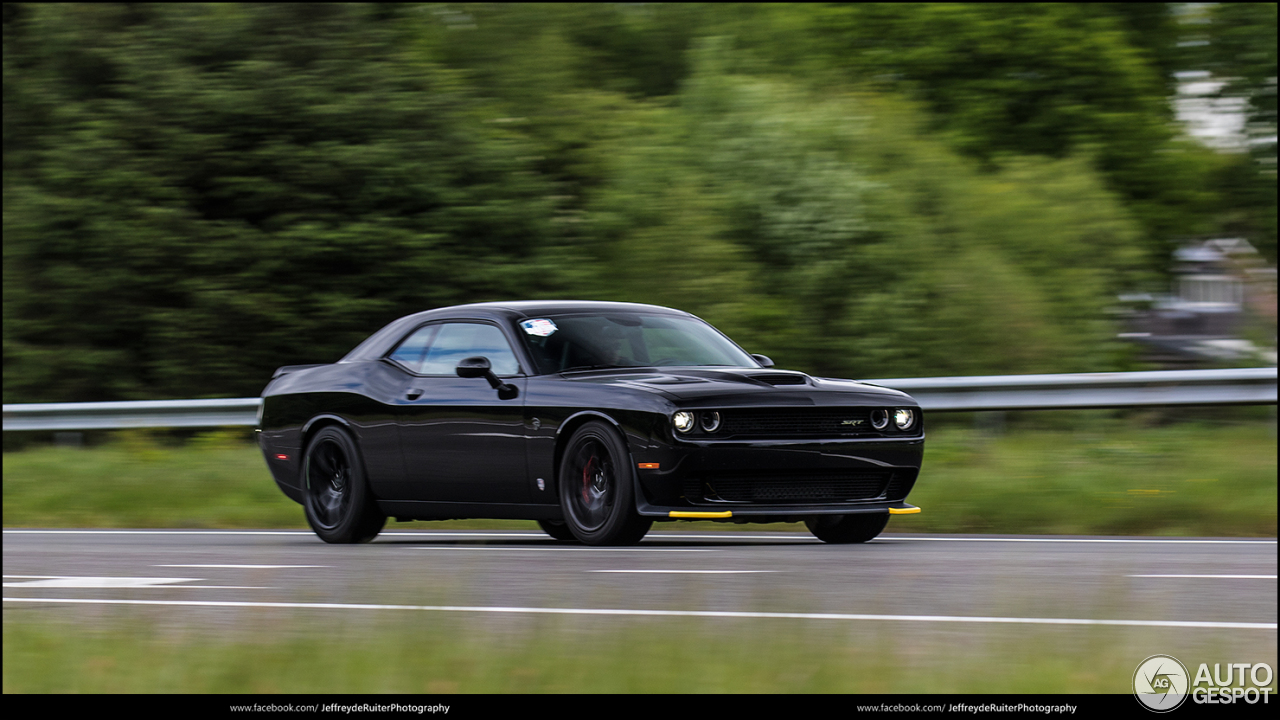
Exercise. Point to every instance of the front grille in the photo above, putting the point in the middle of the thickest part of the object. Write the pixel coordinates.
(797, 422)
(770, 487)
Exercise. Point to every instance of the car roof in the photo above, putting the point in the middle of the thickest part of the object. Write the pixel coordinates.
(376, 344)
(535, 307)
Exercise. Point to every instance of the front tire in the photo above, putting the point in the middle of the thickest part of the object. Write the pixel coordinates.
(339, 506)
(596, 491)
(556, 529)
(843, 529)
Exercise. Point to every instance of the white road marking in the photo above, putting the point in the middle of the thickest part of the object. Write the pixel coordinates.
(685, 572)
(1228, 577)
(92, 582)
(157, 532)
(571, 549)
(302, 533)
(1169, 541)
(62, 581)
(244, 567)
(664, 613)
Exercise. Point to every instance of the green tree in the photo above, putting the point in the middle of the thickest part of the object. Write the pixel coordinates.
(197, 194)
(834, 234)
(194, 194)
(1241, 49)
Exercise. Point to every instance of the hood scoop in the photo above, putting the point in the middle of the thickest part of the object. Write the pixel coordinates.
(780, 378)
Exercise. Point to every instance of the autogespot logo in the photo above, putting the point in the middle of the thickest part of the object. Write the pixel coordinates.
(1160, 683)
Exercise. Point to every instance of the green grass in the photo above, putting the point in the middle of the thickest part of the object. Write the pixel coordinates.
(443, 653)
(135, 481)
(1194, 480)
(1188, 480)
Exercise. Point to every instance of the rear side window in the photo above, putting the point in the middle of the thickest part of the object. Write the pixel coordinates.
(437, 349)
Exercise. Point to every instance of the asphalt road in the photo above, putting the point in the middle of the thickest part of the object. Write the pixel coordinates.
(1184, 584)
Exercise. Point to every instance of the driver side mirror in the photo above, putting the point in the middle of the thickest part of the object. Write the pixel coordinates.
(479, 367)
(475, 367)
(762, 359)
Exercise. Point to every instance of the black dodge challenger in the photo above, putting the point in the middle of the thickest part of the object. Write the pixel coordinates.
(594, 419)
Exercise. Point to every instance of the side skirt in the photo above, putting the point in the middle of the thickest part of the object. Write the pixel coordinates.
(433, 510)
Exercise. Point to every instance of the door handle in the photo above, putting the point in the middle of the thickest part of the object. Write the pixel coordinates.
(414, 393)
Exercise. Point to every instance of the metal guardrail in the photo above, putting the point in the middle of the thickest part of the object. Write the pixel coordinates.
(1243, 386)
(132, 414)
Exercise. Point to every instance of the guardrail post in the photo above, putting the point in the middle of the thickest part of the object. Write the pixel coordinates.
(990, 423)
(68, 439)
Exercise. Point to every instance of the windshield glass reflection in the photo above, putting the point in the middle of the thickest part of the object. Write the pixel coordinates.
(560, 343)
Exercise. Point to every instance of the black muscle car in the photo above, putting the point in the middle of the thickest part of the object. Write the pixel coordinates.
(594, 419)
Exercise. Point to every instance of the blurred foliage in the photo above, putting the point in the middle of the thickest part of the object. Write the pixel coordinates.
(834, 234)
(1241, 48)
(234, 186)
(1039, 79)
(196, 194)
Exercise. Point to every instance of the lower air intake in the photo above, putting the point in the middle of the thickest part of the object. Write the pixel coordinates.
(792, 487)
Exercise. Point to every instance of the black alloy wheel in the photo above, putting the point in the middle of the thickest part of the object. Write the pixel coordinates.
(841, 529)
(596, 493)
(556, 529)
(339, 506)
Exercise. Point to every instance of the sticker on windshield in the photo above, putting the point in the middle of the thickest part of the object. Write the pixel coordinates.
(540, 327)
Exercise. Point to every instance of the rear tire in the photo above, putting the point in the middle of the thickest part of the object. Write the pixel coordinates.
(596, 491)
(843, 529)
(339, 506)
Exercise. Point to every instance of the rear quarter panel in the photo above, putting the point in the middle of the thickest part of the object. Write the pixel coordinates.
(354, 395)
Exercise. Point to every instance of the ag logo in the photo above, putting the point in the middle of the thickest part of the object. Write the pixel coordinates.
(1161, 683)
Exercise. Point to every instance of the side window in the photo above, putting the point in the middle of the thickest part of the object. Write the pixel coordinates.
(413, 350)
(456, 342)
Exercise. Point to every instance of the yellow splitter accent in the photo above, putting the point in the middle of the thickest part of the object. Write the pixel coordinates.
(904, 511)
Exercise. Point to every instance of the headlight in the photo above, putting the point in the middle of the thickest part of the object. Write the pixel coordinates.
(879, 418)
(683, 421)
(711, 421)
(904, 418)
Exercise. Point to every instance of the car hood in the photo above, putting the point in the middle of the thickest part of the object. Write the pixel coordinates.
(729, 387)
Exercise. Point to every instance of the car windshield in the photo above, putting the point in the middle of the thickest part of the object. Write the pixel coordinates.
(559, 343)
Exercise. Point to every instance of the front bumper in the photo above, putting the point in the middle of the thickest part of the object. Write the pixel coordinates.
(762, 480)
